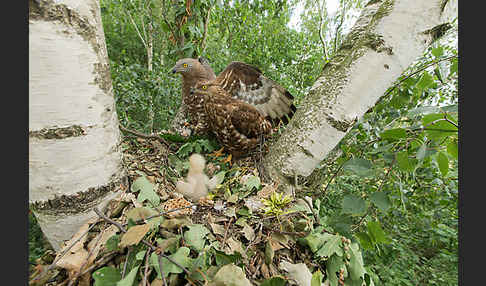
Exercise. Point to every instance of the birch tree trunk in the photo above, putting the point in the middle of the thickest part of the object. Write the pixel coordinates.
(74, 154)
(388, 36)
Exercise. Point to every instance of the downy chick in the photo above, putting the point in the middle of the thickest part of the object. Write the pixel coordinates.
(198, 183)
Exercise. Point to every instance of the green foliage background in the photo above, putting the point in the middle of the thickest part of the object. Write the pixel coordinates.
(391, 184)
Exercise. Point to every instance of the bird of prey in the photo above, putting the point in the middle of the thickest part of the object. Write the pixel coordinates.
(238, 126)
(240, 81)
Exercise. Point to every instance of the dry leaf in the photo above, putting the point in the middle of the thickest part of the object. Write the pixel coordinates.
(265, 271)
(298, 272)
(217, 228)
(134, 235)
(254, 203)
(77, 255)
(157, 282)
(234, 245)
(279, 241)
(267, 190)
(248, 232)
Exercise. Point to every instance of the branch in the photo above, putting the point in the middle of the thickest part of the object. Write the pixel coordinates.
(320, 27)
(338, 28)
(206, 24)
(136, 28)
(146, 136)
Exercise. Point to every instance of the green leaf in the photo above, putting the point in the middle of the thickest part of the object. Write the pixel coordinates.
(223, 258)
(425, 81)
(333, 265)
(443, 163)
(381, 201)
(438, 51)
(403, 162)
(333, 245)
(422, 151)
(252, 181)
(423, 110)
(365, 240)
(231, 274)
(106, 276)
(315, 240)
(129, 279)
(454, 66)
(452, 149)
(355, 268)
(376, 232)
(360, 167)
(112, 243)
(140, 255)
(353, 205)
(269, 253)
(181, 256)
(195, 236)
(394, 134)
(218, 178)
(317, 278)
(185, 149)
(275, 281)
(450, 108)
(146, 189)
(438, 128)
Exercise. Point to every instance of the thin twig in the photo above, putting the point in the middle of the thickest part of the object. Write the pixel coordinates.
(73, 281)
(145, 272)
(309, 204)
(321, 37)
(205, 33)
(162, 270)
(146, 136)
(136, 28)
(126, 262)
(226, 230)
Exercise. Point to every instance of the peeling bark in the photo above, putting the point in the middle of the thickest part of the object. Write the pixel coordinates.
(388, 36)
(74, 157)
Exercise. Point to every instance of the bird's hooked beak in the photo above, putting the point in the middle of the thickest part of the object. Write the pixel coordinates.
(192, 90)
(173, 70)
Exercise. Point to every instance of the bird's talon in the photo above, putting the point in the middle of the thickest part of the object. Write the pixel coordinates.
(228, 159)
(218, 153)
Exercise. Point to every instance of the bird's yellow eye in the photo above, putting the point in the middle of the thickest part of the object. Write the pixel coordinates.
(184, 65)
(204, 87)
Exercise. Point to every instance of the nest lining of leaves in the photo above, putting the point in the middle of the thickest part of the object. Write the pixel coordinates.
(248, 235)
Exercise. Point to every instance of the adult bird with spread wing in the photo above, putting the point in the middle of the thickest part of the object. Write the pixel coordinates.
(237, 125)
(239, 81)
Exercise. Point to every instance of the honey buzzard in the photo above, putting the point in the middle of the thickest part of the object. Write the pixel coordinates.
(240, 81)
(237, 125)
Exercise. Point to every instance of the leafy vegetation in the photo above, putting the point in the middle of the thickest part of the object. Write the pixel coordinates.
(385, 200)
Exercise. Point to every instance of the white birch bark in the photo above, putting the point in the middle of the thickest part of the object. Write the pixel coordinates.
(70, 93)
(388, 36)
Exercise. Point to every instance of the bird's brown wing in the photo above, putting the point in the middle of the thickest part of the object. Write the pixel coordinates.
(248, 121)
(247, 83)
(236, 124)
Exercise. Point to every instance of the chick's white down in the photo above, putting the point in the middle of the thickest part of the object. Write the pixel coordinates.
(198, 183)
